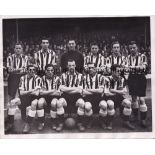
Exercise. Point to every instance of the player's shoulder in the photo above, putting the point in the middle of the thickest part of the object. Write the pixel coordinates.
(39, 51)
(64, 74)
(52, 51)
(142, 54)
(43, 77)
(129, 56)
(23, 77)
(12, 55)
(57, 77)
(122, 78)
(37, 77)
(109, 78)
(24, 55)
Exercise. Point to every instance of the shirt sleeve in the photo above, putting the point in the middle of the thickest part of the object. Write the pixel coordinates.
(9, 62)
(143, 59)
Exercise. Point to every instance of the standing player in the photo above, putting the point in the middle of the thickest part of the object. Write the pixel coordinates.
(94, 57)
(44, 56)
(137, 82)
(29, 88)
(71, 86)
(105, 63)
(16, 65)
(116, 57)
(50, 95)
(115, 97)
(72, 54)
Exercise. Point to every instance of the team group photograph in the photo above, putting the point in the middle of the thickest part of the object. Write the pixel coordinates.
(77, 75)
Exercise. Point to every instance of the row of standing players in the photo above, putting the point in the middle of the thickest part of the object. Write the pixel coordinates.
(53, 92)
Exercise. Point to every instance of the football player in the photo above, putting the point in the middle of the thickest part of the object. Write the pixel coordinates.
(116, 97)
(29, 88)
(137, 81)
(94, 57)
(92, 94)
(44, 56)
(50, 97)
(16, 65)
(71, 87)
(72, 53)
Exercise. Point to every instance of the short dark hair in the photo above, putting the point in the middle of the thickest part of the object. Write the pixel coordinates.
(94, 44)
(19, 43)
(114, 67)
(132, 42)
(72, 39)
(44, 38)
(48, 65)
(70, 60)
(114, 42)
(32, 65)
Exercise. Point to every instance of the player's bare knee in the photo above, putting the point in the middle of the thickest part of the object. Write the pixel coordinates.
(103, 105)
(41, 103)
(63, 101)
(103, 108)
(88, 106)
(54, 104)
(127, 111)
(34, 104)
(126, 103)
(110, 104)
(142, 100)
(80, 103)
(143, 107)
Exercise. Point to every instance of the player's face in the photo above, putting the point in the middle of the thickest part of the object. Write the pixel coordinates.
(116, 48)
(133, 49)
(31, 71)
(49, 71)
(116, 73)
(91, 69)
(45, 44)
(94, 49)
(71, 66)
(18, 49)
(71, 45)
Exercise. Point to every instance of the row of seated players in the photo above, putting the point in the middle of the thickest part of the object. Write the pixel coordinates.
(70, 93)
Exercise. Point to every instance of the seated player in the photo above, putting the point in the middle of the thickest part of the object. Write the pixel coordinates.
(29, 88)
(71, 87)
(50, 96)
(115, 97)
(92, 93)
(11, 110)
(137, 82)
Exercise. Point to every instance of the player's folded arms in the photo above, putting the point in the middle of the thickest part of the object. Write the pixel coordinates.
(71, 90)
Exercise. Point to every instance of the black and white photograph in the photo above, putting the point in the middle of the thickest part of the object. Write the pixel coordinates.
(77, 75)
